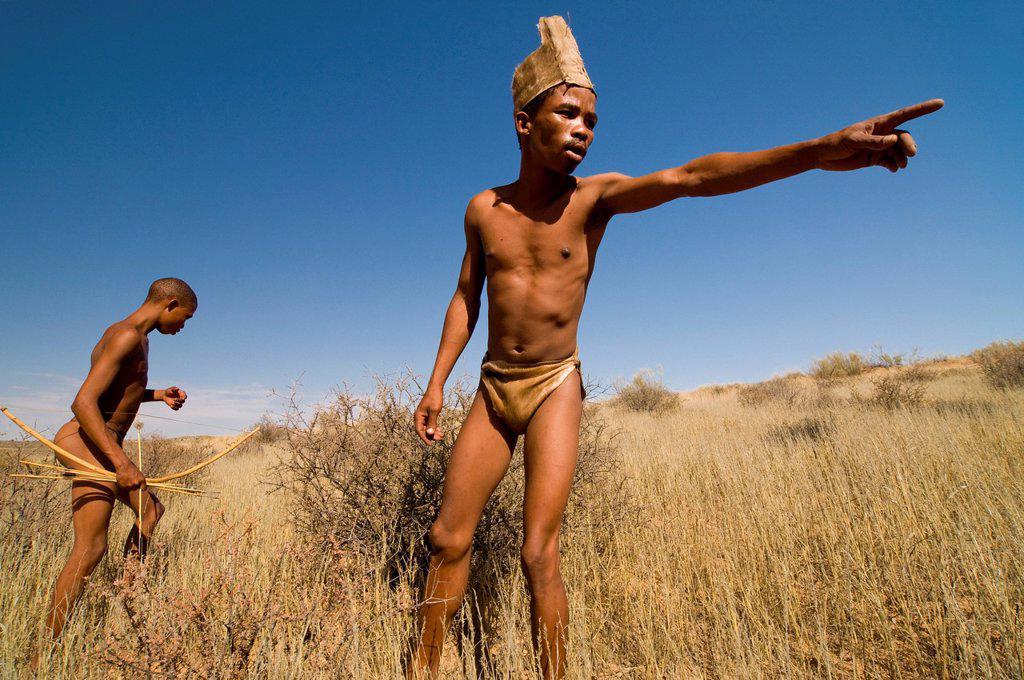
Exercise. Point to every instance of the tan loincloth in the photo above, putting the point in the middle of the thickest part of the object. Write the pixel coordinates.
(516, 391)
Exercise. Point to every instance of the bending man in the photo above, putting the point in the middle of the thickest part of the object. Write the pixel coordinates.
(104, 409)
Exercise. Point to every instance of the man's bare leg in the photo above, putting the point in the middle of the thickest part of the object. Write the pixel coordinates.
(479, 460)
(552, 447)
(91, 505)
(152, 511)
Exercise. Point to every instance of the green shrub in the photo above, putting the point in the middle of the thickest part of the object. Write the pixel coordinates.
(1002, 363)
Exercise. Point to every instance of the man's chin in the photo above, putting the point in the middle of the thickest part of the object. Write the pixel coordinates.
(565, 166)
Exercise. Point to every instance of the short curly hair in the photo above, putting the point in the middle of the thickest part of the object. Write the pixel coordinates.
(170, 287)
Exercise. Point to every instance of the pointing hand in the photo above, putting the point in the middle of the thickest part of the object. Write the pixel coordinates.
(875, 141)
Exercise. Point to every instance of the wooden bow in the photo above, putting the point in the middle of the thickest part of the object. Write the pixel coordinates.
(97, 473)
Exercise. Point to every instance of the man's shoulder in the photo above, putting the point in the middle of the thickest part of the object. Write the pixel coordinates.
(485, 200)
(122, 336)
(488, 197)
(601, 180)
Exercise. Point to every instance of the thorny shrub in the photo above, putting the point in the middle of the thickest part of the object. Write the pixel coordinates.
(1002, 363)
(645, 393)
(357, 476)
(895, 391)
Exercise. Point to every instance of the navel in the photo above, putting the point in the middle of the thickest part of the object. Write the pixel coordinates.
(566, 252)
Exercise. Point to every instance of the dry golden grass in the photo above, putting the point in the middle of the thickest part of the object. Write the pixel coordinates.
(823, 534)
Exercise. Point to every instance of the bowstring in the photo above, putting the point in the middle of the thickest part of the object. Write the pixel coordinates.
(138, 433)
(231, 430)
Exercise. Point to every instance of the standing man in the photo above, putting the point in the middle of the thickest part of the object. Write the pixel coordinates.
(534, 242)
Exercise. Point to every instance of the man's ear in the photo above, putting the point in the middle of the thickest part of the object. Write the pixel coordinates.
(523, 123)
(172, 304)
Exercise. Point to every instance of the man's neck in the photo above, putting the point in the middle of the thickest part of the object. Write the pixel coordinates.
(145, 317)
(538, 186)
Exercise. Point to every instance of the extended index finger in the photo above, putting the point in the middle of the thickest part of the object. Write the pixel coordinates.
(901, 116)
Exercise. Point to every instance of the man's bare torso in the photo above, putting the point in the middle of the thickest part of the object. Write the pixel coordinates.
(538, 263)
(120, 402)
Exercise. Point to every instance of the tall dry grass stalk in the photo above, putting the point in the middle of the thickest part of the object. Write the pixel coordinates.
(810, 531)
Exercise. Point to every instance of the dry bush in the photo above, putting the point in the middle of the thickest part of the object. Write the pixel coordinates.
(882, 359)
(645, 393)
(775, 390)
(839, 365)
(893, 391)
(358, 477)
(1002, 364)
(271, 431)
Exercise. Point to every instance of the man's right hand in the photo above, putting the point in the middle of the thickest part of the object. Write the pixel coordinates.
(426, 415)
(130, 478)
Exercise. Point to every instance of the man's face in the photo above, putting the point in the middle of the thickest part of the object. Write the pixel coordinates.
(562, 130)
(173, 317)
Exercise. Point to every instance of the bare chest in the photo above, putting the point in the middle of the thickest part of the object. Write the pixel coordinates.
(516, 242)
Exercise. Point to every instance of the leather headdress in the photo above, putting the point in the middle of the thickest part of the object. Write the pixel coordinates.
(557, 60)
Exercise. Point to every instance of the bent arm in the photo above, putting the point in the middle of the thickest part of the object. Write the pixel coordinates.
(86, 406)
(712, 175)
(463, 310)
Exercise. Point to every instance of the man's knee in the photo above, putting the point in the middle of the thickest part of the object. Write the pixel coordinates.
(89, 553)
(540, 559)
(447, 545)
(154, 511)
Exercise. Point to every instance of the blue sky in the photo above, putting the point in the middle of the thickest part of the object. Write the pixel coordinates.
(307, 168)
